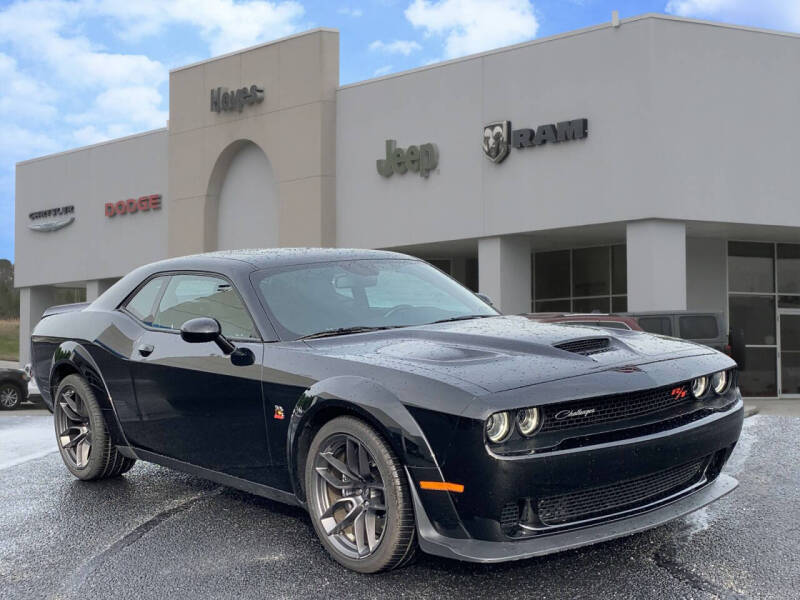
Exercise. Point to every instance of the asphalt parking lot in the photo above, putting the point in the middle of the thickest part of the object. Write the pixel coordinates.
(155, 533)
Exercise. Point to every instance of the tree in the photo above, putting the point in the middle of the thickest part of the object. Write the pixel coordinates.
(9, 297)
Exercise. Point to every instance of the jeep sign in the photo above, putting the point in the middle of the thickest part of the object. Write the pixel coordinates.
(418, 159)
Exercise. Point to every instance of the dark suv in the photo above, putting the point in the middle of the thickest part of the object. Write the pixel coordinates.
(706, 328)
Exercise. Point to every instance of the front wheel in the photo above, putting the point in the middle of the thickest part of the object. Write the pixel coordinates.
(10, 395)
(358, 497)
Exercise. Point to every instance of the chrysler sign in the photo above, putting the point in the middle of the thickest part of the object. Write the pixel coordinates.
(51, 219)
(499, 138)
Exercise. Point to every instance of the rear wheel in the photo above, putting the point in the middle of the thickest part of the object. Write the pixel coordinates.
(10, 395)
(82, 435)
(358, 497)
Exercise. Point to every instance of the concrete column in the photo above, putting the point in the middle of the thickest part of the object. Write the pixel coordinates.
(504, 272)
(96, 287)
(459, 269)
(656, 265)
(32, 302)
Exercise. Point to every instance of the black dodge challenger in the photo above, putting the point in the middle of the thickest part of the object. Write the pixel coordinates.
(397, 407)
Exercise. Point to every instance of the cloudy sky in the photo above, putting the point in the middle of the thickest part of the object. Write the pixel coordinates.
(76, 72)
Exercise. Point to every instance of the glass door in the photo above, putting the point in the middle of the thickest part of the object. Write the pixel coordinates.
(789, 351)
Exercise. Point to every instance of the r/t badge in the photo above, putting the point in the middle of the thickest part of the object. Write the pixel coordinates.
(278, 414)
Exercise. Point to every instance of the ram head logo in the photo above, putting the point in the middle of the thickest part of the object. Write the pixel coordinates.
(496, 140)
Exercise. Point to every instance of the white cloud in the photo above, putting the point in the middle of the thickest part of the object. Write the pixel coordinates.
(23, 96)
(350, 12)
(470, 26)
(404, 47)
(382, 70)
(776, 14)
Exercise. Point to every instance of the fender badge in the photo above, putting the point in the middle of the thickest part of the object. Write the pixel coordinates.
(278, 413)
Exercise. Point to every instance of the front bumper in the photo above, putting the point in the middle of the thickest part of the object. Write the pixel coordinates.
(482, 551)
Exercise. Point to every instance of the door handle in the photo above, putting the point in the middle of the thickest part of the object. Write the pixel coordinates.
(145, 349)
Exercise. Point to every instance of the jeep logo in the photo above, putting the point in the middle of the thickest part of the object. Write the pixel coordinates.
(418, 159)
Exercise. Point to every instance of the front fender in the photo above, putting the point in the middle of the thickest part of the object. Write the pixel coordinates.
(73, 356)
(382, 408)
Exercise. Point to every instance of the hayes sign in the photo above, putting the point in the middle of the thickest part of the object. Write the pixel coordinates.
(132, 205)
(418, 159)
(223, 100)
(499, 138)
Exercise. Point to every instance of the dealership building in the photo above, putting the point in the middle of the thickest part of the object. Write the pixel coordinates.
(643, 165)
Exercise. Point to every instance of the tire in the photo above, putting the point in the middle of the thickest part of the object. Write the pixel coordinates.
(11, 395)
(382, 536)
(82, 435)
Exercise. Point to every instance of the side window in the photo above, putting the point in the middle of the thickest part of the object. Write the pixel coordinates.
(698, 327)
(142, 305)
(660, 325)
(191, 296)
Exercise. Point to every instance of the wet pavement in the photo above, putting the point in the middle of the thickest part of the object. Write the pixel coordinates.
(156, 533)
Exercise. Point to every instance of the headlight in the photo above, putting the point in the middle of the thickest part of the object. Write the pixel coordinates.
(498, 426)
(720, 382)
(699, 386)
(528, 421)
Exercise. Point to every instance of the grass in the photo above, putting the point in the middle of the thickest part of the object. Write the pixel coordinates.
(9, 339)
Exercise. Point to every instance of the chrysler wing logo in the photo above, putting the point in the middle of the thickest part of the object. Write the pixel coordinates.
(51, 219)
(575, 412)
(496, 139)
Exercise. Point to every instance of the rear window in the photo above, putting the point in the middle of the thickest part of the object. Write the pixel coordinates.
(660, 325)
(698, 327)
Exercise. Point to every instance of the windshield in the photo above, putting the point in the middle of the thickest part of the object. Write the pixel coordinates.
(307, 299)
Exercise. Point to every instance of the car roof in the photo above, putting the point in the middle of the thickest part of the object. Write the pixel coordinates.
(262, 258)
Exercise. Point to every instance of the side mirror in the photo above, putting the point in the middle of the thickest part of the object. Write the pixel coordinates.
(485, 298)
(206, 329)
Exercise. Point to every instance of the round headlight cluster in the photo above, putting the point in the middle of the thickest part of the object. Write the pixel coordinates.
(719, 382)
(500, 425)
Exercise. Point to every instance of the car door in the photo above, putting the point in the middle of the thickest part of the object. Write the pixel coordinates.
(195, 405)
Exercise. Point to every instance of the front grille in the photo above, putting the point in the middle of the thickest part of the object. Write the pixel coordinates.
(586, 347)
(593, 411)
(510, 515)
(616, 497)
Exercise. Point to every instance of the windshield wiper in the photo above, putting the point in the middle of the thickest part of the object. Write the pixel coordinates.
(344, 331)
(461, 318)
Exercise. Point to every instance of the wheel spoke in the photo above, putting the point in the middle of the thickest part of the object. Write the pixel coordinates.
(369, 523)
(351, 455)
(339, 466)
(346, 502)
(347, 520)
(360, 533)
(82, 453)
(328, 476)
(69, 412)
(363, 462)
(74, 402)
(76, 440)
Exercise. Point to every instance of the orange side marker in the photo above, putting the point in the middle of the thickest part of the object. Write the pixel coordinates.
(441, 486)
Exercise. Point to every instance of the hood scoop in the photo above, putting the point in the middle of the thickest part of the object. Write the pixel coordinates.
(586, 347)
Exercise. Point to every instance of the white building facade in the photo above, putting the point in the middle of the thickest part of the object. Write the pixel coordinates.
(645, 166)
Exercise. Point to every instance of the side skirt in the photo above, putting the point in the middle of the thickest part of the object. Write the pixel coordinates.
(228, 480)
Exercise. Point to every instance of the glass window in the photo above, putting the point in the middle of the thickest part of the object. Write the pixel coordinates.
(307, 299)
(552, 274)
(789, 301)
(788, 268)
(750, 267)
(759, 378)
(660, 325)
(697, 327)
(587, 305)
(590, 272)
(142, 304)
(619, 304)
(552, 306)
(191, 296)
(619, 270)
(756, 316)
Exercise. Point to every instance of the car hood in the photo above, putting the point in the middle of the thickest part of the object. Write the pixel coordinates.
(505, 352)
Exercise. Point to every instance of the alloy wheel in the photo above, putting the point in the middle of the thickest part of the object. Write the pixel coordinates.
(9, 396)
(73, 427)
(349, 496)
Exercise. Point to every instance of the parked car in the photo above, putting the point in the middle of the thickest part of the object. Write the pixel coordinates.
(394, 405)
(609, 321)
(13, 388)
(707, 328)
